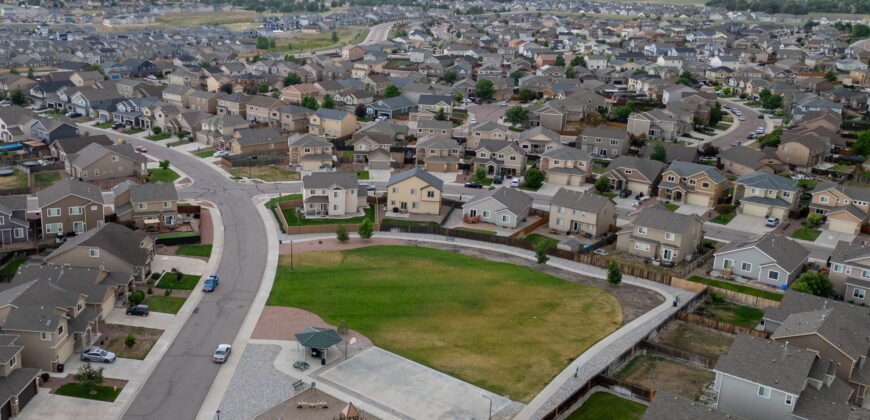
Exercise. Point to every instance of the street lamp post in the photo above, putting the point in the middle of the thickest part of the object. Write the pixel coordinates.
(291, 255)
(489, 415)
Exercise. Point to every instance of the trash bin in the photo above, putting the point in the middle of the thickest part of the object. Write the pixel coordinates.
(323, 362)
(60, 368)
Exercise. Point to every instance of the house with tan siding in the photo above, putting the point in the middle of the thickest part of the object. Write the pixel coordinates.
(96, 162)
(150, 206)
(310, 152)
(114, 248)
(567, 166)
(439, 154)
(414, 191)
(845, 207)
(660, 234)
(692, 183)
(332, 194)
(763, 194)
(638, 175)
(581, 214)
(332, 123)
(257, 140)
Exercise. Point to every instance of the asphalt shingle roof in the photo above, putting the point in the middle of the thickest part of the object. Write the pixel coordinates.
(69, 187)
(768, 362)
(419, 173)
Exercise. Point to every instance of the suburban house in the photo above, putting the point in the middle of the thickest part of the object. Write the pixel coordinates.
(582, 214)
(667, 406)
(70, 206)
(439, 154)
(692, 183)
(310, 152)
(293, 94)
(332, 194)
(332, 123)
(414, 191)
(538, 140)
(769, 259)
(70, 146)
(290, 118)
(18, 384)
(660, 234)
(762, 379)
(486, 131)
(764, 194)
(114, 248)
(802, 152)
(503, 207)
(434, 128)
(214, 130)
(148, 206)
(850, 272)
(660, 124)
(96, 162)
(845, 207)
(14, 227)
(257, 140)
(500, 157)
(605, 142)
(637, 175)
(742, 160)
(568, 166)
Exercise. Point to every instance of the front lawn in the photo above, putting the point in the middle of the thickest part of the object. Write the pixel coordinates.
(177, 235)
(746, 290)
(362, 175)
(496, 325)
(194, 250)
(606, 406)
(607, 194)
(46, 179)
(535, 238)
(77, 390)
(205, 153)
(671, 206)
(266, 173)
(165, 304)
(403, 222)
(162, 175)
(806, 234)
(845, 169)
(293, 219)
(465, 229)
(133, 131)
(724, 219)
(104, 125)
(170, 281)
(158, 137)
(12, 266)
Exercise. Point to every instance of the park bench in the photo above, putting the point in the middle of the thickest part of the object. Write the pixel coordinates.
(298, 384)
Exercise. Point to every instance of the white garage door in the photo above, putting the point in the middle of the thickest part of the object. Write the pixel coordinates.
(698, 200)
(754, 210)
(842, 226)
(637, 187)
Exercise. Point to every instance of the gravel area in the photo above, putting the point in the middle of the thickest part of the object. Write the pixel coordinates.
(256, 385)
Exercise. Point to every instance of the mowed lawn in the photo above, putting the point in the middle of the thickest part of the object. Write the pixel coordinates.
(503, 327)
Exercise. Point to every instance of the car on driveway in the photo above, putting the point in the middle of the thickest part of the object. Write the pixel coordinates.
(140, 149)
(97, 354)
(222, 353)
(141, 310)
(771, 221)
(515, 182)
(473, 185)
(624, 193)
(220, 153)
(735, 143)
(210, 283)
(117, 126)
(498, 179)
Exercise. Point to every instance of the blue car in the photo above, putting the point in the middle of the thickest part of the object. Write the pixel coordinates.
(210, 283)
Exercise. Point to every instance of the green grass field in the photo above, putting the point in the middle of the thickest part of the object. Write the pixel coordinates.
(12, 266)
(133, 131)
(104, 125)
(742, 315)
(746, 290)
(158, 137)
(363, 175)
(294, 220)
(165, 304)
(176, 235)
(605, 406)
(188, 281)
(724, 219)
(17, 179)
(194, 250)
(671, 206)
(74, 389)
(806, 234)
(162, 175)
(500, 326)
(205, 153)
(535, 238)
(46, 179)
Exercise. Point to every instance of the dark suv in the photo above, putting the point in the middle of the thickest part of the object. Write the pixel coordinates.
(141, 310)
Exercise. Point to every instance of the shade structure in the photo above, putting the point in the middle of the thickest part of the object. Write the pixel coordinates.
(318, 338)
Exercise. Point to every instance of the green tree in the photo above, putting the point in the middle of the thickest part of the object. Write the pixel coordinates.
(272, 43)
(621, 113)
(516, 115)
(569, 72)
(659, 153)
(309, 102)
(449, 77)
(830, 76)
(534, 178)
(862, 144)
(541, 249)
(156, 130)
(341, 234)
(130, 341)
(334, 37)
(578, 60)
(391, 91)
(526, 95)
(17, 97)
(366, 229)
(769, 100)
(89, 377)
(813, 220)
(479, 174)
(771, 139)
(441, 115)
(205, 63)
(602, 184)
(484, 89)
(560, 60)
(136, 297)
(813, 283)
(684, 79)
(262, 43)
(13, 70)
(30, 72)
(516, 75)
(715, 115)
(263, 88)
(327, 102)
(292, 79)
(614, 276)
(227, 88)
(164, 164)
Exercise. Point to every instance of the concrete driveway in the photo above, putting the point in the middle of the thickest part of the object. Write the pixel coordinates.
(829, 238)
(691, 209)
(411, 388)
(158, 320)
(746, 223)
(121, 369)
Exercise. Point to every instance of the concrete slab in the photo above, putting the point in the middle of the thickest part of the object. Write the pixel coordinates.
(380, 175)
(46, 406)
(551, 189)
(411, 388)
(829, 238)
(447, 177)
(121, 369)
(187, 265)
(746, 223)
(691, 209)
(156, 320)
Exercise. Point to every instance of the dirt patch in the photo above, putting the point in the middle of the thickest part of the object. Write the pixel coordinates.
(281, 323)
(662, 374)
(333, 244)
(206, 227)
(114, 335)
(695, 339)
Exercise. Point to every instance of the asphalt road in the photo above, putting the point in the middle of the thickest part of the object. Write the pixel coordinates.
(179, 384)
(378, 33)
(746, 127)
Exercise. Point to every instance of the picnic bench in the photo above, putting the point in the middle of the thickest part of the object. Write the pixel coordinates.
(301, 365)
(298, 384)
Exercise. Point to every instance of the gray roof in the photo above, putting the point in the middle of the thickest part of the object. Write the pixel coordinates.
(144, 193)
(74, 144)
(649, 168)
(434, 99)
(254, 136)
(345, 180)
(829, 402)
(513, 200)
(794, 302)
(787, 253)
(658, 217)
(15, 382)
(330, 114)
(843, 326)
(745, 156)
(436, 142)
(606, 132)
(576, 200)
(419, 173)
(667, 406)
(687, 169)
(768, 362)
(855, 193)
(69, 187)
(307, 140)
(111, 238)
(550, 134)
(768, 181)
(568, 153)
(93, 152)
(435, 124)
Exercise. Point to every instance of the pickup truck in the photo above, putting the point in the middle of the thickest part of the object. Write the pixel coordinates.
(210, 283)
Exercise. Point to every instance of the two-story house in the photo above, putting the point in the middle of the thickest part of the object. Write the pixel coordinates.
(742, 160)
(114, 248)
(332, 123)
(582, 214)
(214, 130)
(14, 227)
(565, 165)
(434, 128)
(500, 157)
(605, 142)
(538, 140)
(657, 124)
(638, 175)
(660, 234)
(845, 207)
(332, 194)
(802, 152)
(764, 194)
(692, 183)
(149, 206)
(487, 131)
(439, 154)
(414, 191)
(310, 152)
(70, 206)
(290, 118)
(850, 272)
(256, 140)
(96, 162)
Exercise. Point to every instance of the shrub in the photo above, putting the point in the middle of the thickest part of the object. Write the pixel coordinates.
(136, 297)
(156, 130)
(45, 377)
(341, 234)
(150, 290)
(155, 276)
(541, 252)
(130, 341)
(716, 298)
(724, 208)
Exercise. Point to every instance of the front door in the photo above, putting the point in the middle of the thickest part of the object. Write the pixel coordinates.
(169, 220)
(667, 254)
(78, 227)
(472, 213)
(575, 226)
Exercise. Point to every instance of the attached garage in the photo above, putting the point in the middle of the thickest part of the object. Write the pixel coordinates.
(557, 178)
(638, 187)
(26, 395)
(698, 199)
(6, 410)
(844, 226)
(751, 209)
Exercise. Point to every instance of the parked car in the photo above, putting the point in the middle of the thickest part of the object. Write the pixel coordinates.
(97, 354)
(140, 149)
(735, 143)
(117, 126)
(73, 114)
(760, 116)
(750, 136)
(140, 310)
(210, 283)
(742, 118)
(625, 193)
(472, 120)
(771, 222)
(759, 130)
(5, 102)
(221, 353)
(498, 179)
(515, 183)
(368, 187)
(600, 251)
(473, 185)
(726, 106)
(221, 153)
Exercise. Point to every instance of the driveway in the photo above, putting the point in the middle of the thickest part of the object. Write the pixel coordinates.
(121, 369)
(158, 320)
(691, 209)
(744, 223)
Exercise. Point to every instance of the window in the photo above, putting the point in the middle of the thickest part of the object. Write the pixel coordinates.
(641, 246)
(394, 190)
(19, 232)
(114, 158)
(773, 275)
(628, 171)
(865, 274)
(53, 212)
(669, 236)
(823, 199)
(335, 207)
(838, 268)
(167, 204)
(789, 399)
(413, 191)
(12, 361)
(93, 208)
(142, 206)
(335, 194)
(560, 210)
(671, 179)
(54, 228)
(858, 293)
(764, 391)
(641, 230)
(746, 266)
(705, 185)
(614, 142)
(486, 214)
(60, 330)
(46, 336)
(788, 194)
(415, 205)
(94, 252)
(755, 190)
(727, 264)
(559, 222)
(76, 210)
(505, 218)
(430, 194)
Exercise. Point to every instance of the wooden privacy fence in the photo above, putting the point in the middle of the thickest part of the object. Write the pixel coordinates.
(668, 351)
(729, 295)
(718, 325)
(301, 230)
(617, 385)
(189, 209)
(531, 227)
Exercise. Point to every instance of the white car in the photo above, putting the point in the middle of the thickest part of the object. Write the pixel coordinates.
(221, 153)
(222, 353)
(515, 182)
(742, 118)
(472, 120)
(759, 130)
